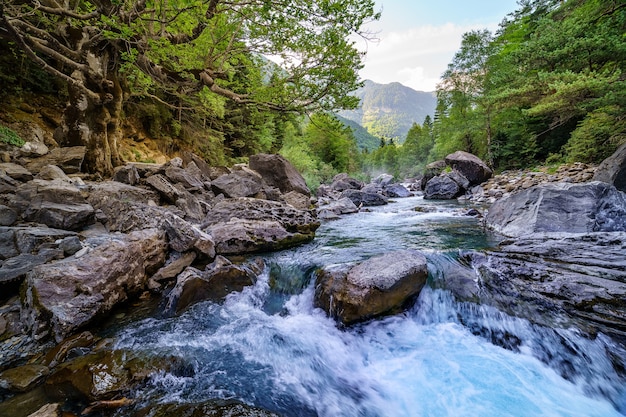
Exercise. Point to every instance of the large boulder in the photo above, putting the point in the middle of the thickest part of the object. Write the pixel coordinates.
(239, 183)
(613, 169)
(396, 191)
(278, 172)
(442, 187)
(381, 285)
(431, 171)
(69, 159)
(56, 203)
(470, 166)
(342, 182)
(293, 220)
(63, 296)
(363, 198)
(560, 207)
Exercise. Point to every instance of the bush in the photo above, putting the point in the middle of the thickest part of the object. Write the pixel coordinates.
(9, 136)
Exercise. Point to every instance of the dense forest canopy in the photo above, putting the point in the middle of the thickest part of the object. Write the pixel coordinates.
(179, 52)
(548, 86)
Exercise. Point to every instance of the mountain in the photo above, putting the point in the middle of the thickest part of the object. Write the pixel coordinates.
(389, 110)
(364, 139)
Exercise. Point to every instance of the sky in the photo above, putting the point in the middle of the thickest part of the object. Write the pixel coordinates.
(418, 38)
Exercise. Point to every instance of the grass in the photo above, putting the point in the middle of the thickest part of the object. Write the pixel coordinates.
(10, 137)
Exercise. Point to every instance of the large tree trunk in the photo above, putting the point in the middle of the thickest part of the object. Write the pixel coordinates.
(95, 124)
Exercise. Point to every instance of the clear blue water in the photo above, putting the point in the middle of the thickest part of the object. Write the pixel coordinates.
(269, 347)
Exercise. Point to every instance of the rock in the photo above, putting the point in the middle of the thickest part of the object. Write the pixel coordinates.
(240, 236)
(34, 148)
(298, 200)
(442, 187)
(192, 181)
(165, 188)
(470, 166)
(342, 182)
(431, 171)
(126, 174)
(7, 184)
(17, 267)
(56, 204)
(613, 169)
(293, 220)
(106, 374)
(239, 183)
(53, 172)
(396, 191)
(278, 172)
(220, 278)
(23, 378)
(578, 277)
(8, 216)
(560, 207)
(102, 194)
(69, 159)
(360, 198)
(183, 236)
(63, 296)
(31, 239)
(337, 207)
(60, 352)
(383, 180)
(16, 172)
(381, 285)
(70, 245)
(48, 410)
(175, 265)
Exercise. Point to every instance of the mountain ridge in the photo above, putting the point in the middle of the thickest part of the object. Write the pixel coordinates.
(389, 110)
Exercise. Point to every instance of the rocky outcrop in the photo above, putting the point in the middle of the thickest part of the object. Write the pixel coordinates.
(577, 276)
(381, 285)
(613, 169)
(560, 207)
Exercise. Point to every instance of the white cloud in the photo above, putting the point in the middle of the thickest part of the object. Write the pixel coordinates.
(415, 57)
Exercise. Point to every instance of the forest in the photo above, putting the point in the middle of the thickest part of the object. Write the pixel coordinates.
(547, 87)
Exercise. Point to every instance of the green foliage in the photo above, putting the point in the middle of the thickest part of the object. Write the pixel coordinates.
(9, 136)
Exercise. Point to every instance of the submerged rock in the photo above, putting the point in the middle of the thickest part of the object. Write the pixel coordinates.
(381, 285)
(217, 408)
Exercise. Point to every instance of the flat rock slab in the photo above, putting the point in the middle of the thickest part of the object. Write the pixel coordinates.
(379, 286)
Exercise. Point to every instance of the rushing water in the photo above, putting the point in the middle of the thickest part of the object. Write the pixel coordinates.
(269, 347)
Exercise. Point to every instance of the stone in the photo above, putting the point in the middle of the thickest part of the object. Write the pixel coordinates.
(108, 373)
(23, 378)
(560, 207)
(102, 194)
(613, 169)
(34, 148)
(470, 166)
(240, 236)
(186, 177)
(220, 278)
(63, 296)
(337, 207)
(175, 265)
(17, 267)
(293, 220)
(165, 188)
(31, 239)
(361, 198)
(276, 171)
(239, 183)
(442, 187)
(342, 182)
(378, 286)
(70, 245)
(183, 236)
(126, 174)
(8, 216)
(298, 200)
(396, 191)
(53, 172)
(69, 159)
(15, 171)
(56, 203)
(7, 184)
(383, 180)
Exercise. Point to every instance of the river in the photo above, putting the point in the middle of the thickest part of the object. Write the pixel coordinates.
(269, 347)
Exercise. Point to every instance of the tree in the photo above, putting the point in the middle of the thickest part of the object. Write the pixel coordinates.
(170, 50)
